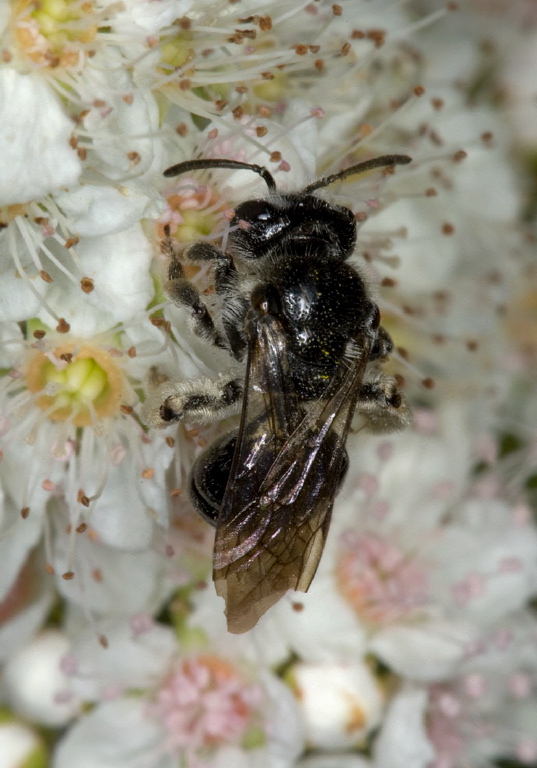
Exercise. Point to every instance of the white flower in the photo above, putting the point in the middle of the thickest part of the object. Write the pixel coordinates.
(78, 470)
(197, 707)
(487, 712)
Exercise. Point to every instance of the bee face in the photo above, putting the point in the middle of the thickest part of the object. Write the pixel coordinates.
(268, 228)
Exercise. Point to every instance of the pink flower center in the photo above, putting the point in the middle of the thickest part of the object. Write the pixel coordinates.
(380, 581)
(205, 703)
(193, 212)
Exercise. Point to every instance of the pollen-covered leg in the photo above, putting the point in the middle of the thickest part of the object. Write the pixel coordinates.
(381, 405)
(233, 305)
(181, 291)
(201, 401)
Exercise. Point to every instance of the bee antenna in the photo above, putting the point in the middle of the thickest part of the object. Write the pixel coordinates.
(384, 161)
(197, 165)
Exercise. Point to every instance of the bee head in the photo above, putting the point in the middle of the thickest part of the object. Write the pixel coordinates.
(285, 223)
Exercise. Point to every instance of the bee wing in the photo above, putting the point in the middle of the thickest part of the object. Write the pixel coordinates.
(270, 413)
(286, 471)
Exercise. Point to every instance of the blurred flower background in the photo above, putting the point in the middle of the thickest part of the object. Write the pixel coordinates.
(416, 646)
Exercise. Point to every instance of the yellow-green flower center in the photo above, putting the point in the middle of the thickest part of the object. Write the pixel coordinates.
(81, 386)
(176, 51)
(195, 223)
(50, 32)
(273, 88)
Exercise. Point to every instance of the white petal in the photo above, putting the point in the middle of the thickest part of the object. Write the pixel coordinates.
(340, 703)
(18, 630)
(157, 457)
(402, 741)
(95, 211)
(419, 464)
(427, 258)
(18, 301)
(491, 548)
(119, 266)
(20, 536)
(11, 342)
(35, 156)
(131, 582)
(429, 652)
(20, 746)
(34, 684)
(114, 735)
(285, 730)
(120, 516)
(130, 661)
(334, 761)
(25, 466)
(146, 17)
(302, 621)
(123, 128)
(264, 644)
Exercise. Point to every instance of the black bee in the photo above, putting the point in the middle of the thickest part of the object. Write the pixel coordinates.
(312, 339)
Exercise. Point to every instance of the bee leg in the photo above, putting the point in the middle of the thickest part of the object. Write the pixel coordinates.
(383, 345)
(381, 405)
(183, 293)
(233, 305)
(202, 401)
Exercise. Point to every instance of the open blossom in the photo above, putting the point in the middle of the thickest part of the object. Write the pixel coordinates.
(485, 712)
(69, 417)
(414, 647)
(198, 708)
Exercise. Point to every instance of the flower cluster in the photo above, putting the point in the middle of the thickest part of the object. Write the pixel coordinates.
(416, 645)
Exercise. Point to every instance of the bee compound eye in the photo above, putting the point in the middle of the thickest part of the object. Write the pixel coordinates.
(255, 211)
